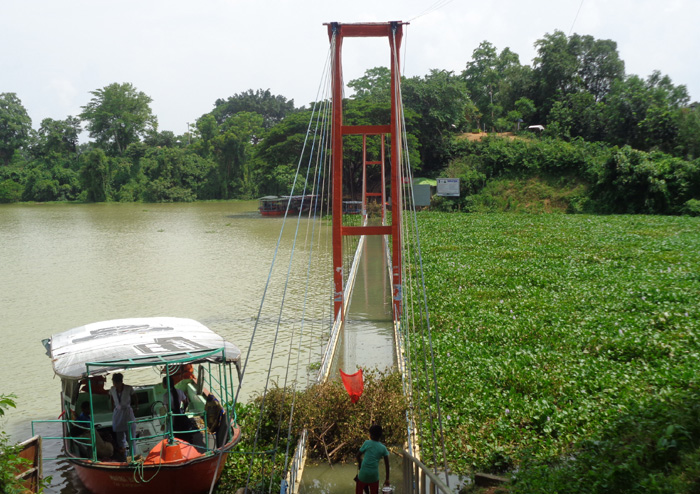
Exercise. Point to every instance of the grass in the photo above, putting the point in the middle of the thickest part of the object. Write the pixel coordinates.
(556, 332)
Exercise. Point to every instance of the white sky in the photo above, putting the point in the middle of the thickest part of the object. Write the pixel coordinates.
(185, 55)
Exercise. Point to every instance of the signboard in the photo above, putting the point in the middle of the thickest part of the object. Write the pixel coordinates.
(448, 187)
(421, 195)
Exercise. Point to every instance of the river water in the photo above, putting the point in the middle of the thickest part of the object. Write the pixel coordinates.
(65, 265)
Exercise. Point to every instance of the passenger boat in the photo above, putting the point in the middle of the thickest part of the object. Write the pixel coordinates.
(273, 205)
(154, 355)
(352, 207)
(277, 205)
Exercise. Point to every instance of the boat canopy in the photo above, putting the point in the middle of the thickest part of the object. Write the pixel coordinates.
(103, 347)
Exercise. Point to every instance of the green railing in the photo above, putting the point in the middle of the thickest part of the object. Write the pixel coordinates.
(78, 441)
(83, 445)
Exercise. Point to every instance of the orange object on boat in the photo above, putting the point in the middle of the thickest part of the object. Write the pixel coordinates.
(354, 384)
(178, 452)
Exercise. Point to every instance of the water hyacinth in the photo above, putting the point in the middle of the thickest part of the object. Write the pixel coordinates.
(575, 349)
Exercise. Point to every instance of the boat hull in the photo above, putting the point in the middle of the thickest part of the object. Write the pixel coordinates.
(271, 213)
(192, 476)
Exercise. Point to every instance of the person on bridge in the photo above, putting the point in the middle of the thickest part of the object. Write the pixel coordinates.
(373, 451)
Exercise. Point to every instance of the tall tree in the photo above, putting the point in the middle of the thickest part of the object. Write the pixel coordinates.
(494, 81)
(374, 85)
(440, 100)
(279, 153)
(273, 108)
(645, 113)
(58, 136)
(94, 175)
(15, 126)
(571, 65)
(233, 151)
(118, 115)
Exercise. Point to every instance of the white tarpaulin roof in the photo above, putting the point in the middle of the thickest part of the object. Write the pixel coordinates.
(145, 338)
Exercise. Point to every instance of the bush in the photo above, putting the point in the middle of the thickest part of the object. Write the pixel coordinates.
(336, 428)
(10, 191)
(692, 207)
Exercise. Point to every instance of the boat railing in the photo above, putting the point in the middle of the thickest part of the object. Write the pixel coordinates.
(208, 380)
(80, 441)
(80, 445)
(143, 443)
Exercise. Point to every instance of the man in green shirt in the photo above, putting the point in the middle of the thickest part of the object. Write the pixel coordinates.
(373, 451)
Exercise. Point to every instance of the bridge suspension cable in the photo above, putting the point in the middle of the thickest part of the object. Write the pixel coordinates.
(316, 190)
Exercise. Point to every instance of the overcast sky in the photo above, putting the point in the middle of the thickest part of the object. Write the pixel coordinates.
(185, 55)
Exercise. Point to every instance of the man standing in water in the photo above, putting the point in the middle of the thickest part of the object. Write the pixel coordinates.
(122, 395)
(373, 450)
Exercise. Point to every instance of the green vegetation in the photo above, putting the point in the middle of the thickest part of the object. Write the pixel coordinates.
(336, 427)
(622, 143)
(567, 347)
(10, 461)
(542, 175)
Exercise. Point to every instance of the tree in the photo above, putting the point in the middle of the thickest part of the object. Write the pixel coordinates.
(15, 126)
(10, 191)
(233, 151)
(176, 175)
(279, 153)
(575, 64)
(374, 85)
(494, 80)
(273, 108)
(645, 114)
(117, 116)
(94, 176)
(440, 101)
(599, 65)
(58, 136)
(688, 139)
(577, 115)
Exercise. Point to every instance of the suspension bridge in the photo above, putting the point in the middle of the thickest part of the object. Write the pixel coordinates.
(320, 224)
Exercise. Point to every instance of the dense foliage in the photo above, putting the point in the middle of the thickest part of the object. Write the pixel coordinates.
(568, 348)
(250, 143)
(336, 427)
(583, 177)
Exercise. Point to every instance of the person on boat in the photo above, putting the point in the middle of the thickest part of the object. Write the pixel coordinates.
(123, 399)
(368, 462)
(186, 371)
(97, 385)
(176, 401)
(105, 449)
(217, 422)
(82, 421)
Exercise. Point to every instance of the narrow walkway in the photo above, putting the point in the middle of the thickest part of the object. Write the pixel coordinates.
(366, 342)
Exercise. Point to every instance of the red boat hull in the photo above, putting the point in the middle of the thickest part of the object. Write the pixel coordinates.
(172, 475)
(271, 213)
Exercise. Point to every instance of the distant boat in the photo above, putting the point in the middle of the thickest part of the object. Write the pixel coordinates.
(352, 207)
(273, 205)
(277, 205)
(160, 457)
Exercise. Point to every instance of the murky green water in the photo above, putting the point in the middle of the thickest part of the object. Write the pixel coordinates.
(63, 266)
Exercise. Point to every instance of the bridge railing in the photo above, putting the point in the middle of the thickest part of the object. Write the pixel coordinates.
(296, 468)
(418, 479)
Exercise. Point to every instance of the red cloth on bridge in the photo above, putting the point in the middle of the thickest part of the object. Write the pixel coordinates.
(354, 384)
